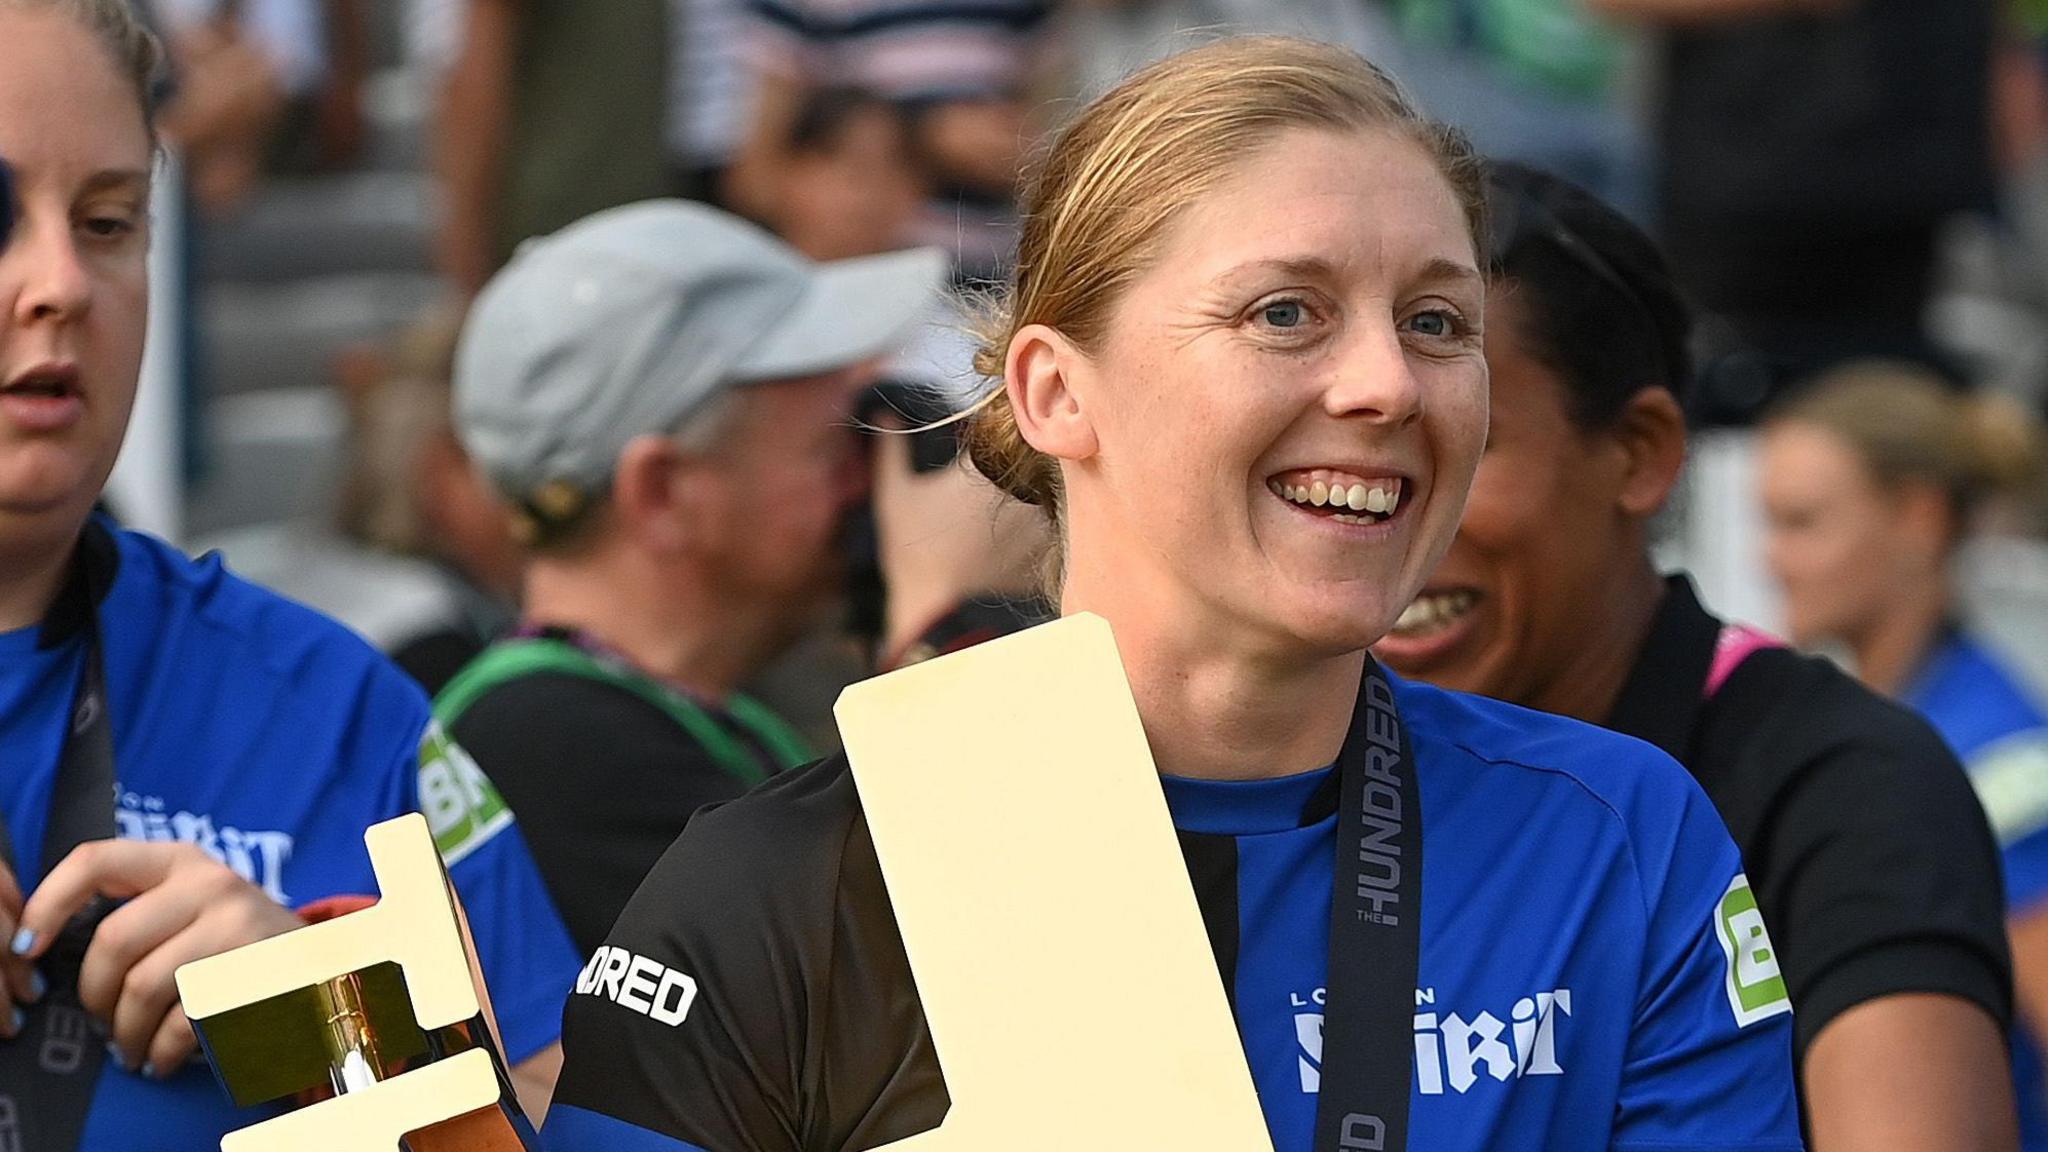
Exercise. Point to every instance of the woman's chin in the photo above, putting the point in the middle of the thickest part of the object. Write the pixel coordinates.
(1329, 629)
(40, 478)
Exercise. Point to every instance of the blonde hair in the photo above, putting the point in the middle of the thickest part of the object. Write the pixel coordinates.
(1907, 425)
(135, 50)
(1113, 180)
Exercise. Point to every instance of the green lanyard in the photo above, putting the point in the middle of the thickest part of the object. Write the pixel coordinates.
(517, 659)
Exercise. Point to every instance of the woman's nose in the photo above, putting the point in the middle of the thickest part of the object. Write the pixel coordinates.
(1374, 381)
(49, 272)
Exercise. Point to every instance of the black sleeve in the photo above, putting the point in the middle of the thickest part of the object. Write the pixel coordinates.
(600, 781)
(801, 1031)
(1872, 859)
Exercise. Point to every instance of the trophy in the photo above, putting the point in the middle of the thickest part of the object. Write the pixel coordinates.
(382, 1011)
(1050, 924)
(1073, 999)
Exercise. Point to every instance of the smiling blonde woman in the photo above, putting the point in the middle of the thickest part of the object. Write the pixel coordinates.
(1243, 373)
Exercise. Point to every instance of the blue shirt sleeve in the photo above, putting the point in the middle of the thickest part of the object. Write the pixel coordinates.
(528, 960)
(1709, 1065)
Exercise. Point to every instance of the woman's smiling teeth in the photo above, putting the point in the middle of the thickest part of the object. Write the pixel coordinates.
(1342, 497)
(1433, 610)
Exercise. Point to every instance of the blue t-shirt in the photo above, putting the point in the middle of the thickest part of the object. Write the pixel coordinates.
(272, 737)
(1594, 975)
(1999, 733)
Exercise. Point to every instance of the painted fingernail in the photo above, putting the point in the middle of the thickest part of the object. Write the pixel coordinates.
(16, 1022)
(149, 1071)
(37, 986)
(24, 940)
(114, 1051)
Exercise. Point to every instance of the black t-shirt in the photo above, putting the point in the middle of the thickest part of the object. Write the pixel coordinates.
(819, 1041)
(602, 782)
(1869, 853)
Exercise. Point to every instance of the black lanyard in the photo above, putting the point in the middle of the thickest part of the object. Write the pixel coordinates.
(49, 1071)
(1375, 932)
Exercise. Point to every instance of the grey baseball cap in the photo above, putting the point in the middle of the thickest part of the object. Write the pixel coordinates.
(628, 321)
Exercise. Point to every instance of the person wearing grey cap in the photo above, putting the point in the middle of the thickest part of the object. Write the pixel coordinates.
(662, 395)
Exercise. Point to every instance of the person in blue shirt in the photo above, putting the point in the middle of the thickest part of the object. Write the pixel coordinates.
(1243, 375)
(187, 762)
(1871, 478)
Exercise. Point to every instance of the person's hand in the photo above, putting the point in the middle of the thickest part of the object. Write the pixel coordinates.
(19, 982)
(182, 905)
(229, 102)
(944, 536)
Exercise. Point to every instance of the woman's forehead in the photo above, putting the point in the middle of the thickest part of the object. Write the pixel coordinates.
(66, 110)
(1350, 202)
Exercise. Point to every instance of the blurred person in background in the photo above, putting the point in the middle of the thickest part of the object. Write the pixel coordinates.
(417, 557)
(960, 559)
(1871, 479)
(260, 83)
(1868, 852)
(956, 560)
(966, 72)
(412, 492)
(1810, 153)
(190, 760)
(661, 394)
(851, 185)
(711, 94)
(852, 188)
(549, 110)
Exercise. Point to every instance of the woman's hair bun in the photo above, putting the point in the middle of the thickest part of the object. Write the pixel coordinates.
(2004, 441)
(999, 451)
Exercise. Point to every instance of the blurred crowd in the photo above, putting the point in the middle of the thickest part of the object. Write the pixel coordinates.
(1833, 181)
(1852, 195)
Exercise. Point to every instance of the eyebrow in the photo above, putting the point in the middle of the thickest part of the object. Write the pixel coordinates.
(1311, 267)
(113, 179)
(1306, 267)
(1442, 269)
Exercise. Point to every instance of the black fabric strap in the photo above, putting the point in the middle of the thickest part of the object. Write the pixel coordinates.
(1375, 933)
(49, 1071)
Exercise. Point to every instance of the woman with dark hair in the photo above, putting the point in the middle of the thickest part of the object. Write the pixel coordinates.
(1868, 851)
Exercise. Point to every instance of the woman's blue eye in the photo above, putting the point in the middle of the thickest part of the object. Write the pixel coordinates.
(1434, 323)
(1285, 314)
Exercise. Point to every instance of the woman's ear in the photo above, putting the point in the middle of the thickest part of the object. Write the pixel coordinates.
(1040, 373)
(1925, 519)
(1651, 429)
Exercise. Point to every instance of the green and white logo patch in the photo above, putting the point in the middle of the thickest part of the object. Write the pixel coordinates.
(1756, 988)
(2011, 778)
(458, 800)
